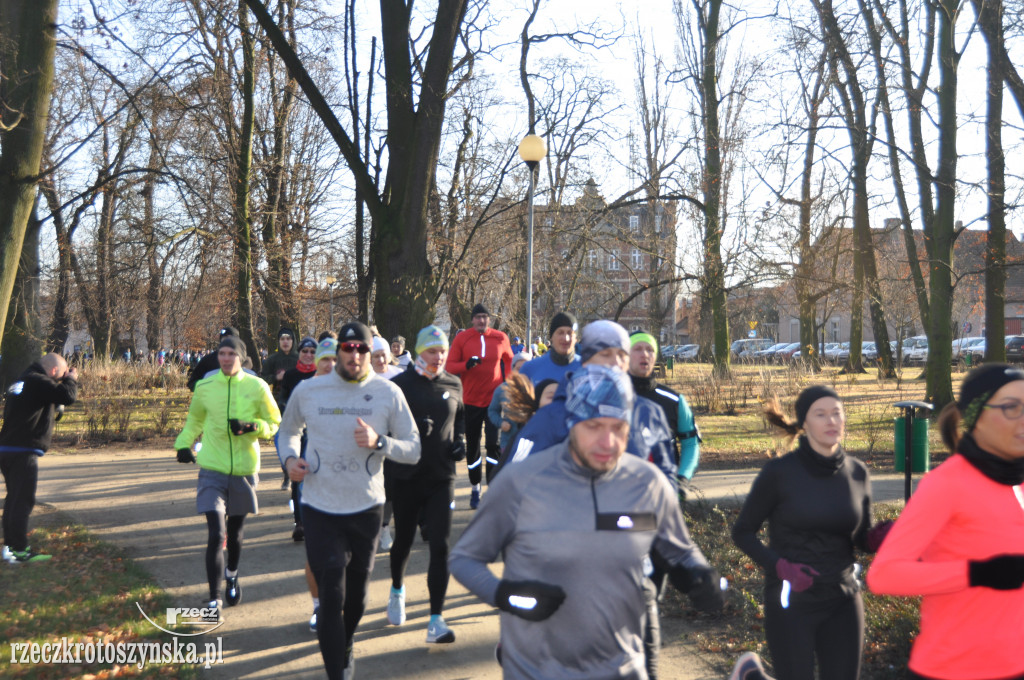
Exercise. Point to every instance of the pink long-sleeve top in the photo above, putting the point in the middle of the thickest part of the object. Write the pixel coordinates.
(957, 515)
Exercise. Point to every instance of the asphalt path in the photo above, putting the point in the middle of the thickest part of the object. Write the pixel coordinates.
(143, 500)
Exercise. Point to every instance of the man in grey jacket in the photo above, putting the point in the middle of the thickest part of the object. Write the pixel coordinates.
(346, 415)
(575, 523)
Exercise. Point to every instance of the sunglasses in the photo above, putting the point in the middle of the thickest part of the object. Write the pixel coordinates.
(354, 347)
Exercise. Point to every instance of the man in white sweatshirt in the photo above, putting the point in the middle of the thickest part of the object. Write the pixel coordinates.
(346, 415)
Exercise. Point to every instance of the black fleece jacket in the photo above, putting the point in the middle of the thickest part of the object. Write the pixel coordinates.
(436, 406)
(30, 405)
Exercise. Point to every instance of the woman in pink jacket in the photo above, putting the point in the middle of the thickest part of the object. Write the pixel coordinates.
(960, 541)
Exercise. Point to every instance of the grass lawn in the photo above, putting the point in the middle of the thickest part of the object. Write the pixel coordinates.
(87, 593)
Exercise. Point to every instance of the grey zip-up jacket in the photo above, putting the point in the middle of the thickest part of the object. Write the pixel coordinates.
(555, 521)
(343, 478)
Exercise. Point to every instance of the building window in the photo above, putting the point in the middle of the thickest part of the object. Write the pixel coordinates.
(634, 223)
(657, 224)
(638, 259)
(592, 258)
(835, 330)
(613, 261)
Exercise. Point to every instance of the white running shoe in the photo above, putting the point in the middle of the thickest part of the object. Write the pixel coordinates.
(438, 631)
(386, 540)
(748, 667)
(396, 607)
(312, 619)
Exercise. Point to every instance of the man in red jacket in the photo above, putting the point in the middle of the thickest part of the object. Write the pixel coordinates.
(482, 357)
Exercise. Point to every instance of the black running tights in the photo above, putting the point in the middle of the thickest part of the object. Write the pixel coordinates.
(219, 535)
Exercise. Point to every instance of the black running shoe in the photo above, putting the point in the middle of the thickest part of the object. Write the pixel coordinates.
(233, 594)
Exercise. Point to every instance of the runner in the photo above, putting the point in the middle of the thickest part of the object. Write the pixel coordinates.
(562, 358)
(573, 524)
(643, 354)
(817, 502)
(507, 429)
(959, 542)
(305, 368)
(401, 355)
(208, 364)
(427, 489)
(232, 410)
(30, 411)
(381, 358)
(482, 357)
(345, 414)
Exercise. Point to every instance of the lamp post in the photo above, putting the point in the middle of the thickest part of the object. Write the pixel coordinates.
(532, 150)
(330, 281)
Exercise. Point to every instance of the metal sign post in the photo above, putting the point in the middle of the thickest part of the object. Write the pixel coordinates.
(908, 439)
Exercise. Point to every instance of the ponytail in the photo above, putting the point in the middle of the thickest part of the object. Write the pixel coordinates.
(775, 417)
(949, 426)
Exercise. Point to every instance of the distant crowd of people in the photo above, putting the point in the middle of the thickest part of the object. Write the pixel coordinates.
(578, 461)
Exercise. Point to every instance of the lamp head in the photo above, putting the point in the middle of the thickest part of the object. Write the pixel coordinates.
(532, 149)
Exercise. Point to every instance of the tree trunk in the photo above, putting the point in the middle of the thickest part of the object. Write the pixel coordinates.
(26, 81)
(939, 380)
(714, 270)
(154, 284)
(991, 20)
(60, 328)
(243, 169)
(21, 339)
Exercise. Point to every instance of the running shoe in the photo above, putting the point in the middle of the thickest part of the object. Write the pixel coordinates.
(298, 533)
(286, 483)
(386, 540)
(24, 556)
(215, 605)
(350, 668)
(748, 667)
(312, 619)
(438, 631)
(233, 594)
(396, 607)
(474, 499)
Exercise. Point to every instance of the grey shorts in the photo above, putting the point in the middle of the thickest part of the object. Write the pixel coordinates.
(230, 494)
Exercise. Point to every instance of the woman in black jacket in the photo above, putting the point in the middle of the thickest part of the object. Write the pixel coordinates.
(817, 502)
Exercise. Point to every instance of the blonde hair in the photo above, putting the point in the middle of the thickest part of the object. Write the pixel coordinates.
(520, 401)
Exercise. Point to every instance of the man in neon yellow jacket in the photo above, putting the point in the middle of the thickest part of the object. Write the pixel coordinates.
(232, 410)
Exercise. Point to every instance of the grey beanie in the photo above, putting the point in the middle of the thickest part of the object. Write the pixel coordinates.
(601, 335)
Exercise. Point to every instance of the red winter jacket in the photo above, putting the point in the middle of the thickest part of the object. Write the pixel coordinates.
(479, 382)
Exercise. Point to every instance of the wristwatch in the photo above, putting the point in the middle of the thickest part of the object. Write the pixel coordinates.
(380, 442)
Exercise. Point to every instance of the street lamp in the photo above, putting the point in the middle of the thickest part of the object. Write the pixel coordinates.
(330, 281)
(532, 150)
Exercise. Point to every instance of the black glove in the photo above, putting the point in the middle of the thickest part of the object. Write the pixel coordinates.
(471, 362)
(1002, 572)
(240, 428)
(530, 600)
(458, 450)
(186, 456)
(702, 584)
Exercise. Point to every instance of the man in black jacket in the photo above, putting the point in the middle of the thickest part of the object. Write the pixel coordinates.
(435, 398)
(29, 414)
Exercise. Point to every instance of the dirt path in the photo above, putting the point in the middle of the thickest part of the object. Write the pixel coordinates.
(145, 501)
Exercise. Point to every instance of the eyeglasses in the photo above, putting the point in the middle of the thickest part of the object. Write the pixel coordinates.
(1012, 410)
(354, 347)
(308, 350)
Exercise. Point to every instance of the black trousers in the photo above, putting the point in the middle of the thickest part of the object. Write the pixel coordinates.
(340, 550)
(829, 630)
(21, 475)
(476, 418)
(434, 499)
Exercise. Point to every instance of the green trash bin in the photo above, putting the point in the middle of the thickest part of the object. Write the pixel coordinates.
(919, 458)
(670, 364)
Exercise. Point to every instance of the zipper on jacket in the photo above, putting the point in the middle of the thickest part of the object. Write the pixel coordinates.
(593, 495)
(231, 448)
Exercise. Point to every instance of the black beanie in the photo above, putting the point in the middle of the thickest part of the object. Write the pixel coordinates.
(286, 331)
(480, 309)
(355, 332)
(307, 342)
(979, 386)
(562, 319)
(807, 399)
(235, 343)
(226, 331)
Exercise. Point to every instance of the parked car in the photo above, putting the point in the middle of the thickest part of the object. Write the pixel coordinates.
(785, 355)
(741, 349)
(687, 352)
(1015, 349)
(768, 353)
(838, 353)
(869, 351)
(915, 350)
